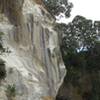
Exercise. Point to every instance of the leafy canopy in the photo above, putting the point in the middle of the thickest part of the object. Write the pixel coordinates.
(80, 46)
(55, 7)
(80, 34)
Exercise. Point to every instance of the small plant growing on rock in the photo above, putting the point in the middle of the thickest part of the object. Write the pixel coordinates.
(2, 63)
(11, 92)
(2, 49)
(2, 70)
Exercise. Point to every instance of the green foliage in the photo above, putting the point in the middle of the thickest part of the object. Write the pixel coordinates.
(55, 7)
(80, 34)
(79, 66)
(84, 60)
(2, 69)
(96, 89)
(2, 63)
(97, 26)
(73, 76)
(2, 49)
(93, 58)
(1, 34)
(80, 49)
(11, 91)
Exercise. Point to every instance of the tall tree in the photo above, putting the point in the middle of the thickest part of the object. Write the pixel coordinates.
(80, 48)
(80, 34)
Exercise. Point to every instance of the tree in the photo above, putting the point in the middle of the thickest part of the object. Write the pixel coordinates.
(80, 34)
(55, 7)
(79, 41)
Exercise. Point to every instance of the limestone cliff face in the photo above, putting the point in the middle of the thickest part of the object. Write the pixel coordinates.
(35, 64)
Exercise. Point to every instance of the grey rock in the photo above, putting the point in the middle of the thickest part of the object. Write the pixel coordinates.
(35, 64)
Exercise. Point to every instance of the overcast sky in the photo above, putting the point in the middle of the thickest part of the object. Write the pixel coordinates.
(87, 8)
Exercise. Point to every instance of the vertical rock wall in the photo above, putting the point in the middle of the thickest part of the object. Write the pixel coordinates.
(35, 58)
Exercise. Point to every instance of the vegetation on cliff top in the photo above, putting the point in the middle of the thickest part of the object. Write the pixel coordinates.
(55, 7)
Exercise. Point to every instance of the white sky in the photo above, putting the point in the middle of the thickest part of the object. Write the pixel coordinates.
(87, 8)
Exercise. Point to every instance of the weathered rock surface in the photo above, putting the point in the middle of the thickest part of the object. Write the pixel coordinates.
(35, 64)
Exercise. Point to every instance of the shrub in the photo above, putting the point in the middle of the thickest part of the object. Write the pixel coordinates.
(2, 69)
(2, 49)
(10, 92)
(2, 63)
